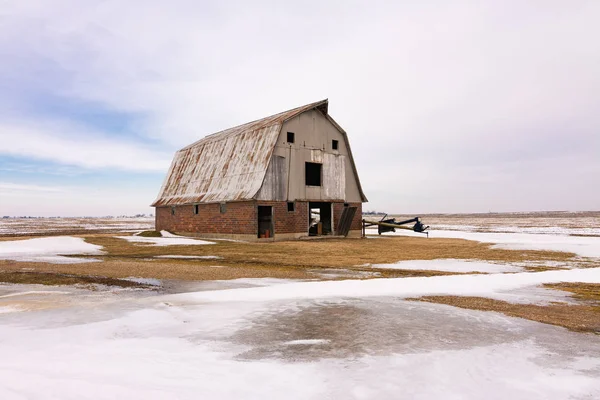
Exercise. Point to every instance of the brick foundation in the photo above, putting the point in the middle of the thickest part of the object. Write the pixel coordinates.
(239, 221)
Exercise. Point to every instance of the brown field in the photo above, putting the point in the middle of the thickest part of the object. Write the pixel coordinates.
(291, 259)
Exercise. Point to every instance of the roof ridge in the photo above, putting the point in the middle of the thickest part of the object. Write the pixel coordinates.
(275, 120)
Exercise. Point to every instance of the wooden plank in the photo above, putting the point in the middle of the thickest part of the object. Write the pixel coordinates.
(346, 221)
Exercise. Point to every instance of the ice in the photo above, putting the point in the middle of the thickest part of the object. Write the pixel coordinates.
(304, 342)
(459, 285)
(306, 349)
(48, 249)
(451, 265)
(34, 292)
(144, 281)
(167, 239)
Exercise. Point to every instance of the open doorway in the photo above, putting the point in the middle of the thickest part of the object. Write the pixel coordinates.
(319, 219)
(265, 221)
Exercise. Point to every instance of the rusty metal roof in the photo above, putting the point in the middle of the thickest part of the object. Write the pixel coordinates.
(226, 166)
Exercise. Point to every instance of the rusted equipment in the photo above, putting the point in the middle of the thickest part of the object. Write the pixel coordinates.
(390, 225)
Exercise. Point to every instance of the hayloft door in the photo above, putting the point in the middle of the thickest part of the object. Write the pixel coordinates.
(265, 221)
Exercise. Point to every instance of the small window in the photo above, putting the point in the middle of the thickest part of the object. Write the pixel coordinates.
(290, 137)
(346, 204)
(172, 210)
(334, 144)
(313, 174)
(291, 206)
(222, 208)
(196, 207)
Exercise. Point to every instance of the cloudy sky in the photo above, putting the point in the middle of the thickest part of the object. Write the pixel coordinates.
(450, 106)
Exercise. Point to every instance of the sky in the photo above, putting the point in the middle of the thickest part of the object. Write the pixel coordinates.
(461, 106)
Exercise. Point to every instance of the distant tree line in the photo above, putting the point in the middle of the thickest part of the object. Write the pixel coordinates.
(374, 213)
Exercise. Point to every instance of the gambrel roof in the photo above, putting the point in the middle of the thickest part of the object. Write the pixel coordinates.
(230, 165)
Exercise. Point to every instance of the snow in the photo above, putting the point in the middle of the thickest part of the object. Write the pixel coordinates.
(167, 239)
(276, 338)
(24, 226)
(451, 265)
(582, 246)
(308, 342)
(48, 249)
(33, 292)
(459, 285)
(549, 230)
(190, 257)
(213, 351)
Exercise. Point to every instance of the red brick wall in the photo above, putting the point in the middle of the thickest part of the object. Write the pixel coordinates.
(240, 218)
(288, 222)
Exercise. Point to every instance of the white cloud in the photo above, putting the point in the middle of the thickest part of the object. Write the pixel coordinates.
(69, 144)
(15, 187)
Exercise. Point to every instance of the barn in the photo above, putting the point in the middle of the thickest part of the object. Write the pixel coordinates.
(287, 176)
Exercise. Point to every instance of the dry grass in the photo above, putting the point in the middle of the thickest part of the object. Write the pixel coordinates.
(57, 279)
(290, 260)
(331, 253)
(584, 317)
(150, 234)
(584, 292)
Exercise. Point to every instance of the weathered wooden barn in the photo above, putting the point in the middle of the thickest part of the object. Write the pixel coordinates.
(282, 177)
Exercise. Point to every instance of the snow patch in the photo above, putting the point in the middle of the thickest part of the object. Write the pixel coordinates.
(49, 249)
(167, 239)
(581, 245)
(33, 292)
(306, 342)
(458, 285)
(451, 265)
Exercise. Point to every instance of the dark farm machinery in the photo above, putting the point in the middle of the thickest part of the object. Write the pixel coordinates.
(386, 224)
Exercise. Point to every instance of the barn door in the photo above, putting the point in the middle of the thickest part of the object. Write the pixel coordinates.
(346, 221)
(265, 221)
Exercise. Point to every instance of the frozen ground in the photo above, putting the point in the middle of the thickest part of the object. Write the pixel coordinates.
(580, 245)
(486, 285)
(48, 249)
(128, 345)
(274, 338)
(451, 265)
(167, 239)
(29, 226)
(562, 223)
